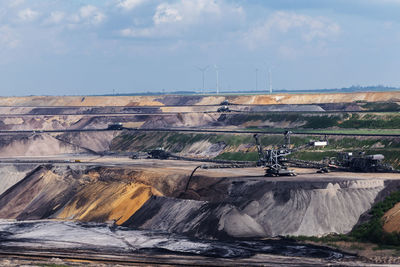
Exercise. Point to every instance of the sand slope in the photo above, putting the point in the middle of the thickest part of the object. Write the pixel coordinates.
(113, 201)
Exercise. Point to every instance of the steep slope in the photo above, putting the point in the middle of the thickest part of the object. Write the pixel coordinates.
(195, 218)
(38, 195)
(76, 192)
(112, 201)
(35, 145)
(12, 174)
(218, 203)
(95, 141)
(260, 208)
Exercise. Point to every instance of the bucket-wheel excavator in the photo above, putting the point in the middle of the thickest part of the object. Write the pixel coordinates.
(276, 162)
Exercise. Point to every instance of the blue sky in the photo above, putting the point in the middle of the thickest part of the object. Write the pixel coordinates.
(79, 47)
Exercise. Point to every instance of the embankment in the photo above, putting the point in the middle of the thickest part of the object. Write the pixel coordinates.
(215, 205)
(263, 209)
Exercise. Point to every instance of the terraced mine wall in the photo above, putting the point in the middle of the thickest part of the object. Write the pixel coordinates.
(63, 101)
(210, 208)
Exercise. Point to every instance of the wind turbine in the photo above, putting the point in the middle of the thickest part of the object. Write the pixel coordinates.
(217, 74)
(203, 71)
(269, 79)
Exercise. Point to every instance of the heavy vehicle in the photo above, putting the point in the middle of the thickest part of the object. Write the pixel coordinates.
(223, 109)
(225, 103)
(362, 162)
(115, 126)
(159, 153)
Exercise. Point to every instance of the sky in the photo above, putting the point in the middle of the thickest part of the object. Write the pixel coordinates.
(91, 47)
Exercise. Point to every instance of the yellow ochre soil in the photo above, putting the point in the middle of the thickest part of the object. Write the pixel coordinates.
(113, 201)
(391, 219)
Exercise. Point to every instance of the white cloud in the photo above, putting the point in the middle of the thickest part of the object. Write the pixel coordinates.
(172, 19)
(92, 14)
(88, 14)
(27, 14)
(194, 11)
(307, 27)
(130, 4)
(7, 38)
(166, 14)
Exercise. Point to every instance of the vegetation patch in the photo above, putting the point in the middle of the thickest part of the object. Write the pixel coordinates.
(320, 122)
(390, 120)
(372, 230)
(381, 106)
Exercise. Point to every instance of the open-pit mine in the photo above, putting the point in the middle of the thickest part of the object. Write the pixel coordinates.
(198, 180)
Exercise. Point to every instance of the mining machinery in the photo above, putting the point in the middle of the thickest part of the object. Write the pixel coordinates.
(223, 109)
(362, 162)
(159, 153)
(276, 162)
(115, 126)
(275, 159)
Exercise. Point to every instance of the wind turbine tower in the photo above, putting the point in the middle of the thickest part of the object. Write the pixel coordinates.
(217, 74)
(203, 72)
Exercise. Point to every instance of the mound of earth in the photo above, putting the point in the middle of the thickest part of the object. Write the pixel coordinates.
(260, 209)
(97, 195)
(221, 207)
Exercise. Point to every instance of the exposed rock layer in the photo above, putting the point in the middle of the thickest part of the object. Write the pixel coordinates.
(217, 208)
(199, 100)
